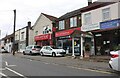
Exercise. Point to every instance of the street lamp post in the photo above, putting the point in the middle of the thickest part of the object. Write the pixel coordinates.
(14, 31)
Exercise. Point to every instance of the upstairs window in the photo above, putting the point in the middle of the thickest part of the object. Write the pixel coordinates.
(61, 25)
(73, 22)
(106, 14)
(22, 35)
(87, 19)
(36, 32)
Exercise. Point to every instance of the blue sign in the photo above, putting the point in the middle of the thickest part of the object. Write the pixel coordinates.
(110, 24)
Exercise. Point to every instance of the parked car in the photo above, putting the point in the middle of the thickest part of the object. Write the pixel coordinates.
(114, 62)
(32, 49)
(3, 50)
(48, 50)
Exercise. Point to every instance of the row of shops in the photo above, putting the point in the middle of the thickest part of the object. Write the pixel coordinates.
(77, 42)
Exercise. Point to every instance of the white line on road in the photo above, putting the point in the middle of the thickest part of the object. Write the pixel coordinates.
(6, 63)
(15, 72)
(4, 75)
(9, 65)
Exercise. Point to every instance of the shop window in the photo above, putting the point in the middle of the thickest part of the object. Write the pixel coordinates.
(106, 14)
(87, 19)
(73, 22)
(61, 25)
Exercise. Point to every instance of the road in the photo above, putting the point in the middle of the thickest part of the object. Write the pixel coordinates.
(13, 66)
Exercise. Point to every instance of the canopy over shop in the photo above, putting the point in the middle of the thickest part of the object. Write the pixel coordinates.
(44, 40)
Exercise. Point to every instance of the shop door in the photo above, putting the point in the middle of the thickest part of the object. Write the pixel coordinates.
(77, 46)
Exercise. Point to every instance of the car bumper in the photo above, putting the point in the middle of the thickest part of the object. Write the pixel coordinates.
(113, 65)
(60, 54)
(35, 52)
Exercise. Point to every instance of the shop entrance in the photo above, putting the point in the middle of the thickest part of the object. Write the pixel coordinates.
(106, 41)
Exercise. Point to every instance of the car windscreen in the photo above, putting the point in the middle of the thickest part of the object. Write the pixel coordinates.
(37, 47)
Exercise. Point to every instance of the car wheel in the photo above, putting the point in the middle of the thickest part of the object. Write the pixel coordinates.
(53, 54)
(24, 53)
(30, 53)
(41, 54)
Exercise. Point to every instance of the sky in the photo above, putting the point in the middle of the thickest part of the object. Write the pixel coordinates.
(30, 10)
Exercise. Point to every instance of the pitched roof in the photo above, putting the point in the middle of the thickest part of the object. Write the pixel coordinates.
(8, 36)
(92, 6)
(70, 14)
(52, 18)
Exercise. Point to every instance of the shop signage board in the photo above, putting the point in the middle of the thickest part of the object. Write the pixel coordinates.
(66, 32)
(110, 24)
(90, 27)
(43, 37)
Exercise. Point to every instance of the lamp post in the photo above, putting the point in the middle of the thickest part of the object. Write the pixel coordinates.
(14, 31)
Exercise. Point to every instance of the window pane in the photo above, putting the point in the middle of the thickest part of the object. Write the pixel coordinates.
(61, 25)
(71, 22)
(87, 18)
(75, 21)
(106, 14)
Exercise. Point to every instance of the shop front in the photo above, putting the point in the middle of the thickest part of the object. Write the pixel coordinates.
(107, 38)
(44, 40)
(69, 40)
(87, 39)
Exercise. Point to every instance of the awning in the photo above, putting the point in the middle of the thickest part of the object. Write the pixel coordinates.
(43, 37)
(66, 32)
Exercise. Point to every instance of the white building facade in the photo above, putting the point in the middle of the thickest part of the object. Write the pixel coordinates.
(103, 23)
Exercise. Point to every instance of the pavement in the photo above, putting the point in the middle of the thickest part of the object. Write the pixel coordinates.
(92, 63)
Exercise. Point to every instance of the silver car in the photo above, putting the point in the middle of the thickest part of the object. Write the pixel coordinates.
(32, 49)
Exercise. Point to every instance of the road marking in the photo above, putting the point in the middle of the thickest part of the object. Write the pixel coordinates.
(15, 72)
(99, 71)
(9, 65)
(6, 63)
(4, 75)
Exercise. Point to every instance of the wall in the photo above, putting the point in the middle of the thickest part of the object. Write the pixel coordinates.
(40, 23)
(31, 37)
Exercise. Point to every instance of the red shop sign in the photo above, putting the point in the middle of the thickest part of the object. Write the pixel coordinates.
(66, 32)
(43, 37)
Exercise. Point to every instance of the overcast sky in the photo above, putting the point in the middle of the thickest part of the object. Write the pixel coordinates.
(29, 10)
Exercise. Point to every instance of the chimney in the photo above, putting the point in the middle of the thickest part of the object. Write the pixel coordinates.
(29, 24)
(89, 2)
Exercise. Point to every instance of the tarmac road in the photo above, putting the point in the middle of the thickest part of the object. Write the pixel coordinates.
(13, 66)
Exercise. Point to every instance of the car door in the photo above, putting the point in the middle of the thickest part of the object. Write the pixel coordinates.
(49, 50)
(44, 50)
(30, 49)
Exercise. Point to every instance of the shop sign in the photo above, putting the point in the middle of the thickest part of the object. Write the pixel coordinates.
(110, 24)
(66, 32)
(43, 37)
(90, 27)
